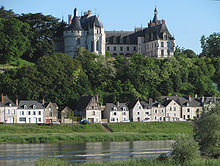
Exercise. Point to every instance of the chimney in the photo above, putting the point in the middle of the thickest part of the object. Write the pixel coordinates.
(2, 99)
(150, 101)
(43, 101)
(190, 97)
(118, 103)
(196, 95)
(97, 98)
(215, 99)
(163, 21)
(89, 13)
(203, 99)
(16, 101)
(70, 19)
(85, 14)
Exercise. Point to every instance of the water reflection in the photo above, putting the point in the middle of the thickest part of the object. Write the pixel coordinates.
(26, 154)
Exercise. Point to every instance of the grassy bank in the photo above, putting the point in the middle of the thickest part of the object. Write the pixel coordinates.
(137, 162)
(17, 63)
(33, 133)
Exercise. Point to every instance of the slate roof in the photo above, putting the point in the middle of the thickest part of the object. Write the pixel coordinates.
(75, 25)
(156, 104)
(83, 102)
(110, 106)
(88, 22)
(208, 100)
(30, 104)
(6, 102)
(146, 105)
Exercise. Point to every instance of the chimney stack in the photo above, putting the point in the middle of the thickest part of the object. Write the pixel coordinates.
(16, 101)
(118, 103)
(89, 13)
(97, 98)
(190, 97)
(43, 101)
(163, 21)
(203, 99)
(150, 101)
(196, 95)
(75, 12)
(2, 99)
(70, 19)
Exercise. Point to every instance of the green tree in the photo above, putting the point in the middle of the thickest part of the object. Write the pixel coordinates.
(14, 40)
(71, 116)
(44, 29)
(8, 14)
(207, 132)
(185, 150)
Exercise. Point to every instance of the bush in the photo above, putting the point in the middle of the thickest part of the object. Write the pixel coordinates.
(207, 132)
(185, 149)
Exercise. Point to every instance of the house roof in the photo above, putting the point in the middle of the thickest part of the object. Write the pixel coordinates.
(6, 102)
(75, 25)
(146, 105)
(110, 106)
(30, 104)
(83, 102)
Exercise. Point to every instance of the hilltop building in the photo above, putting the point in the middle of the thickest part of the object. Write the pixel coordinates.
(87, 31)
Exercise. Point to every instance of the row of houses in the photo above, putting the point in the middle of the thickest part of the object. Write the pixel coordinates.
(169, 108)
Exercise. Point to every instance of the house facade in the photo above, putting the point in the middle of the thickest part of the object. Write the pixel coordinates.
(64, 115)
(116, 112)
(139, 111)
(8, 110)
(88, 108)
(30, 111)
(173, 110)
(158, 111)
(51, 112)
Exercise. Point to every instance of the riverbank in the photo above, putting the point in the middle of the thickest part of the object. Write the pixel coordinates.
(33, 133)
(135, 162)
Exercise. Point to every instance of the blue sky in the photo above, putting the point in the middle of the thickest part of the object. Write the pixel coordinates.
(187, 20)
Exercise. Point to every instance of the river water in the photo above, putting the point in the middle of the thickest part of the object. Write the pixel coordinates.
(27, 154)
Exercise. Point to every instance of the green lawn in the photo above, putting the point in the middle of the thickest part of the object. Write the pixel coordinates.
(17, 63)
(33, 133)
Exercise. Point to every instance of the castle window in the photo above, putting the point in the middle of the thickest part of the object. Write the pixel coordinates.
(162, 44)
(97, 45)
(121, 48)
(114, 48)
(78, 41)
(108, 48)
(92, 46)
(97, 31)
(134, 48)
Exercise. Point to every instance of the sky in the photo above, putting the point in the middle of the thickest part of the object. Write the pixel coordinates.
(187, 20)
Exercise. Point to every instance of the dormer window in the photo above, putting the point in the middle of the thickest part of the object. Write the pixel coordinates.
(93, 113)
(187, 104)
(10, 105)
(124, 109)
(25, 106)
(115, 109)
(34, 106)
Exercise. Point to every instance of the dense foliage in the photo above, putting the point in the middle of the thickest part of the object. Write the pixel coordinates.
(207, 132)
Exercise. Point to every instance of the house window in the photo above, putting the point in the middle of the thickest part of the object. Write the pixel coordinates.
(146, 113)
(155, 118)
(39, 119)
(162, 44)
(138, 113)
(127, 48)
(184, 116)
(34, 106)
(124, 119)
(188, 110)
(25, 107)
(29, 112)
(13, 111)
(124, 109)
(92, 107)
(174, 108)
(92, 46)
(155, 111)
(188, 116)
(121, 48)
(22, 119)
(161, 111)
(170, 108)
(114, 48)
(93, 113)
(124, 113)
(108, 48)
(78, 41)
(160, 118)
(115, 109)
(162, 52)
(39, 112)
(22, 112)
(34, 113)
(115, 113)
(174, 114)
(97, 31)
(8, 111)
(113, 119)
(134, 48)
